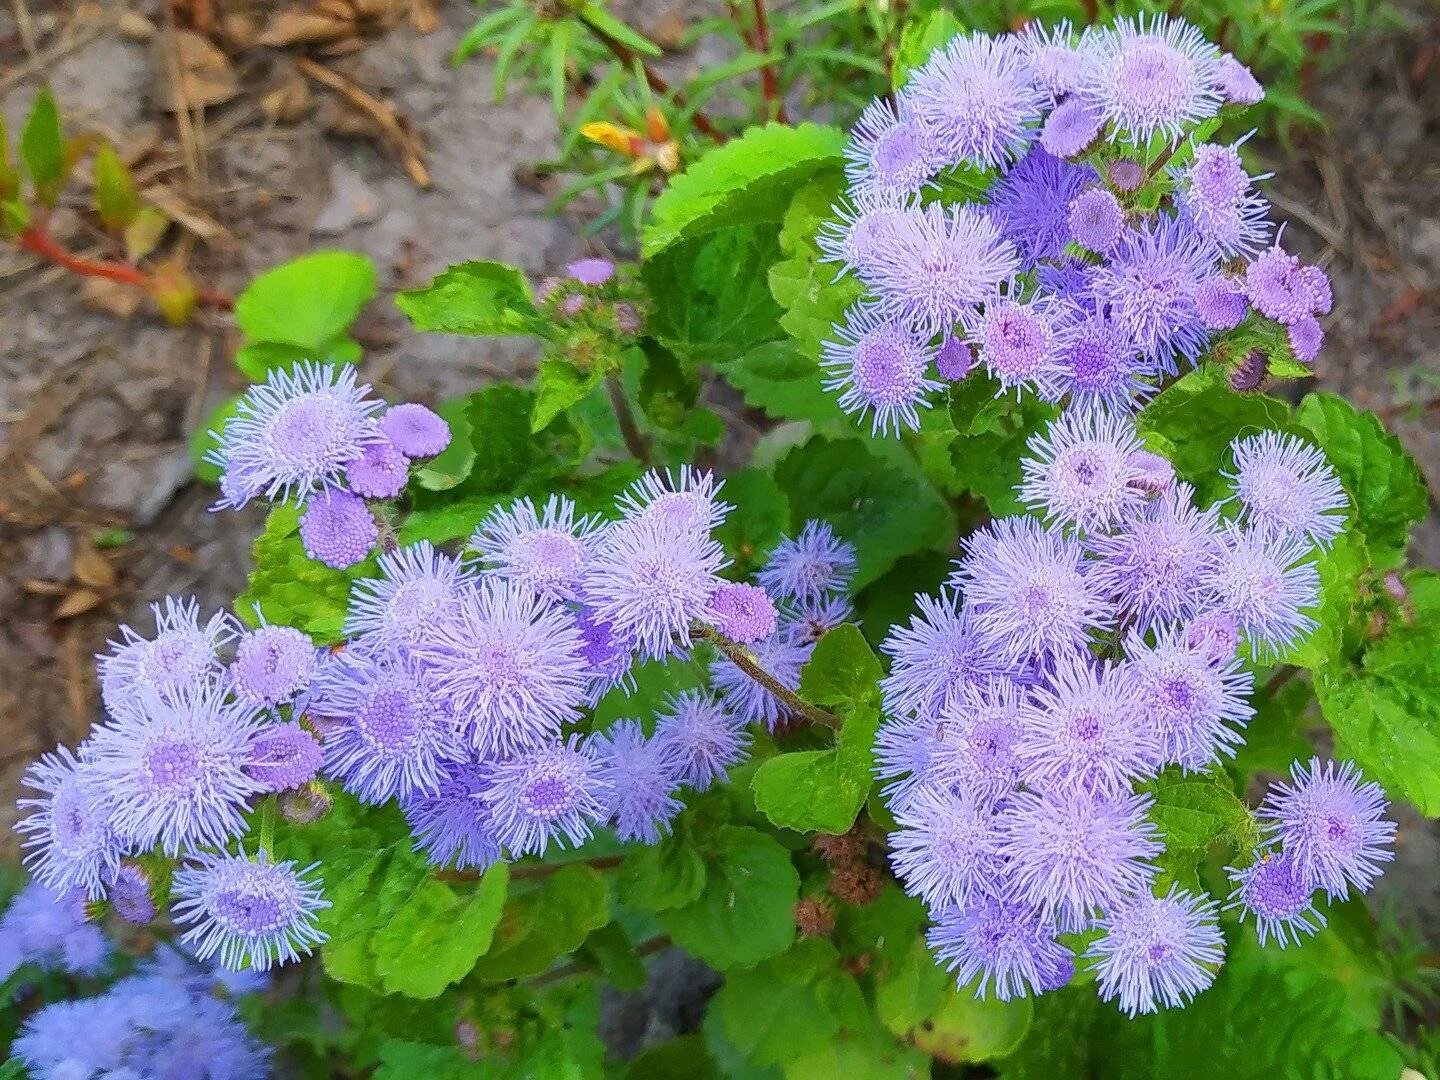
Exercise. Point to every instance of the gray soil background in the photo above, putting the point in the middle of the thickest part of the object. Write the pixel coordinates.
(97, 401)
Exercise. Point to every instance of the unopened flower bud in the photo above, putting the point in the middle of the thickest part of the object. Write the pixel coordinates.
(1395, 587)
(1215, 633)
(1377, 626)
(1250, 372)
(572, 305)
(1150, 472)
(305, 805)
(627, 319)
(547, 288)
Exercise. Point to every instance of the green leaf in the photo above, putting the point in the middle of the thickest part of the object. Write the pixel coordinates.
(435, 938)
(891, 600)
(1194, 812)
(667, 388)
(258, 358)
(1340, 567)
(545, 923)
(659, 877)
(843, 670)
(813, 299)
(761, 516)
(1390, 729)
(822, 790)
(404, 1060)
(920, 1002)
(612, 952)
(777, 377)
(447, 520)
(509, 456)
(987, 463)
(744, 913)
(883, 510)
(1274, 736)
(115, 197)
(1384, 484)
(453, 464)
(559, 384)
(596, 15)
(203, 440)
(42, 151)
(307, 302)
(746, 181)
(475, 298)
(684, 1058)
(918, 40)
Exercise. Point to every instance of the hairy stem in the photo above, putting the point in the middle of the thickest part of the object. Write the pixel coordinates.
(635, 440)
(745, 660)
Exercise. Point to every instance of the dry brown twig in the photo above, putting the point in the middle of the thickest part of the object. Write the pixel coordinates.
(393, 123)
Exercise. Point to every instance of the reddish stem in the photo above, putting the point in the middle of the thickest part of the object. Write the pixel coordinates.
(769, 78)
(36, 240)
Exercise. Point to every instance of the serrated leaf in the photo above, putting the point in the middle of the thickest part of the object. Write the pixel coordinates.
(821, 790)
(668, 388)
(307, 302)
(746, 181)
(1194, 812)
(547, 922)
(843, 670)
(1340, 567)
(761, 516)
(474, 298)
(435, 938)
(658, 877)
(778, 378)
(988, 463)
(559, 384)
(1273, 737)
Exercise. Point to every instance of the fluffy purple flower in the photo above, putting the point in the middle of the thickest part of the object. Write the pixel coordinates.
(414, 430)
(1057, 62)
(1072, 851)
(1157, 951)
(1019, 341)
(1196, 704)
(273, 664)
(1126, 176)
(69, 840)
(1097, 365)
(810, 620)
(1095, 219)
(1156, 566)
(936, 264)
(1306, 339)
(976, 98)
(1331, 822)
(642, 778)
(284, 756)
(879, 365)
(1082, 730)
(860, 229)
(701, 737)
(954, 359)
(1220, 302)
(1215, 635)
(1153, 76)
(250, 913)
(935, 657)
(338, 529)
(452, 825)
(1275, 892)
(181, 657)
(508, 665)
(380, 472)
(1010, 946)
(1071, 127)
(1149, 284)
(1032, 203)
(1151, 473)
(890, 152)
(1280, 288)
(744, 613)
(782, 657)
(608, 656)
(419, 588)
(129, 895)
(946, 850)
(295, 434)
(173, 770)
(591, 272)
(1265, 583)
(545, 551)
(685, 499)
(1029, 589)
(547, 795)
(1286, 487)
(1236, 83)
(988, 724)
(810, 565)
(1078, 470)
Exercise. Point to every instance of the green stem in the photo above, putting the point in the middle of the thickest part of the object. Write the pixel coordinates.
(635, 440)
(1282, 675)
(268, 813)
(745, 660)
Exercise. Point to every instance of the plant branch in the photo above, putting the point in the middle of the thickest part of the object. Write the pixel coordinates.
(745, 660)
(635, 440)
(576, 967)
(544, 870)
(1282, 676)
(769, 77)
(37, 240)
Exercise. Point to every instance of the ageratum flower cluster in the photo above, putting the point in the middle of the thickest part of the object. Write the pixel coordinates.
(311, 435)
(1112, 245)
(461, 694)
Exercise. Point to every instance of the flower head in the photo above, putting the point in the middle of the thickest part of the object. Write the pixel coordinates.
(452, 825)
(890, 151)
(1098, 364)
(701, 737)
(935, 657)
(1195, 703)
(809, 565)
(1079, 470)
(1286, 487)
(1032, 201)
(1011, 947)
(338, 529)
(1057, 62)
(419, 587)
(1071, 127)
(180, 657)
(1273, 889)
(946, 849)
(254, 913)
(861, 227)
(547, 795)
(879, 365)
(1095, 219)
(1265, 583)
(69, 838)
(1306, 338)
(414, 430)
(283, 757)
(744, 613)
(1236, 83)
(685, 499)
(273, 664)
(1220, 302)
(608, 656)
(542, 550)
(642, 778)
(1153, 76)
(1020, 341)
(129, 895)
(591, 272)
(380, 472)
(976, 98)
(1157, 951)
(1280, 287)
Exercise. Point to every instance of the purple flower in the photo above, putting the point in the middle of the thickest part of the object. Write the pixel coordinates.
(743, 613)
(1020, 341)
(935, 657)
(1157, 951)
(338, 529)
(642, 778)
(173, 770)
(1220, 302)
(1280, 287)
(250, 913)
(1095, 219)
(129, 895)
(295, 434)
(976, 98)
(548, 795)
(954, 359)
(1194, 702)
(1306, 338)
(1234, 230)
(702, 738)
(1331, 822)
(1097, 365)
(591, 272)
(1032, 202)
(273, 664)
(414, 430)
(1286, 487)
(180, 657)
(452, 825)
(1214, 634)
(1153, 76)
(608, 656)
(878, 365)
(1126, 176)
(1265, 584)
(1078, 470)
(1156, 566)
(1072, 851)
(1273, 889)
(508, 665)
(284, 756)
(1151, 473)
(810, 565)
(946, 850)
(1057, 62)
(936, 263)
(69, 838)
(545, 551)
(380, 472)
(860, 229)
(1236, 83)
(1011, 947)
(419, 588)
(1071, 128)
(1082, 730)
(686, 499)
(890, 152)
(988, 726)
(810, 620)
(1029, 590)
(782, 657)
